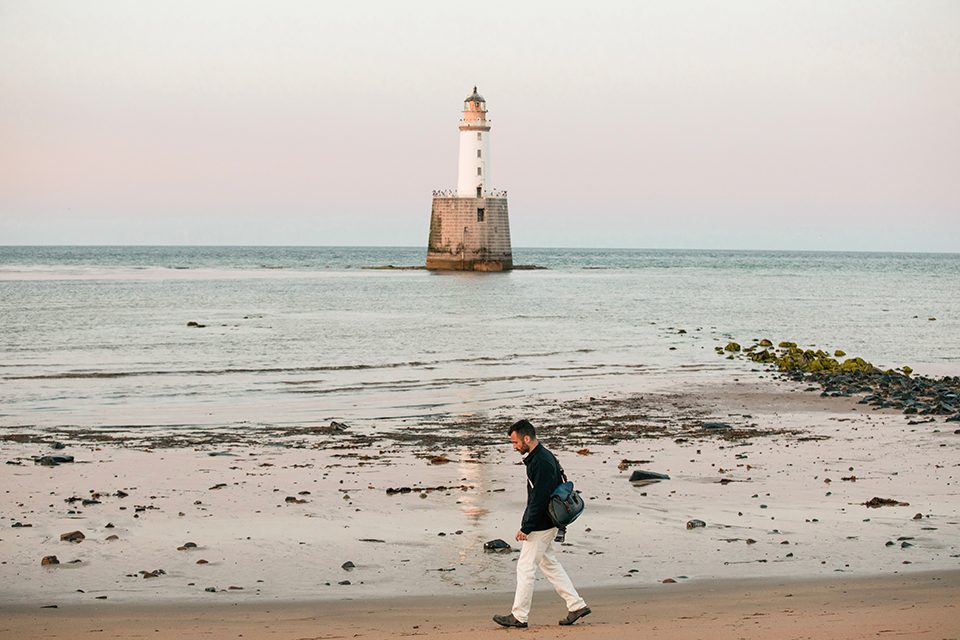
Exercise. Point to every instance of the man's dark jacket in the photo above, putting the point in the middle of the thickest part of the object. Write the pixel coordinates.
(543, 476)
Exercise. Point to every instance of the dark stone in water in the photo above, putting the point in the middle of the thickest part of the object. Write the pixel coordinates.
(639, 476)
(348, 566)
(695, 524)
(497, 546)
(717, 425)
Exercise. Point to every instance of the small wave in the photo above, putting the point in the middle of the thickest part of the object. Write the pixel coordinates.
(80, 375)
(446, 383)
(703, 366)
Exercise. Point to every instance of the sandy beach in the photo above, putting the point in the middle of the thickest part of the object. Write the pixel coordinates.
(919, 605)
(224, 536)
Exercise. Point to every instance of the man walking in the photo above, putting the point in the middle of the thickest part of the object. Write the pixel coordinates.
(537, 533)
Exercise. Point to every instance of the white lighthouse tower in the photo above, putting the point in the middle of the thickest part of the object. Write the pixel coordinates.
(474, 148)
(470, 231)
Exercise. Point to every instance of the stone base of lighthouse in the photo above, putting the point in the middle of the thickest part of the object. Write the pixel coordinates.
(469, 234)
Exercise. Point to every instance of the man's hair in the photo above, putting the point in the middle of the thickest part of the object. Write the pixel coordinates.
(523, 428)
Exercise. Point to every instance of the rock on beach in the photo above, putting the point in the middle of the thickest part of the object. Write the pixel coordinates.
(640, 475)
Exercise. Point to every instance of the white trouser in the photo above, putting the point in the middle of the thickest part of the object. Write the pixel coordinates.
(537, 550)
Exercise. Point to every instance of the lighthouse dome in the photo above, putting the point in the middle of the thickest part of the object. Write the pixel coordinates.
(474, 97)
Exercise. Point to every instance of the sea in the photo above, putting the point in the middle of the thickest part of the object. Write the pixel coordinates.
(204, 337)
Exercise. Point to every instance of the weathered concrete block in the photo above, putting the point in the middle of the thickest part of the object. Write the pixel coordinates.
(469, 234)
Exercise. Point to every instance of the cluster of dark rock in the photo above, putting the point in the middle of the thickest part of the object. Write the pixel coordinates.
(882, 388)
(914, 395)
(395, 490)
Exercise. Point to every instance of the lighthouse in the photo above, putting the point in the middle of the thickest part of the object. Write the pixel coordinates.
(469, 227)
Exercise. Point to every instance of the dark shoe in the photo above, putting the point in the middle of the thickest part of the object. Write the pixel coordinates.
(573, 616)
(509, 621)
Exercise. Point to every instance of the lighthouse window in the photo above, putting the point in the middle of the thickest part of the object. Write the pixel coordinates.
(479, 170)
(478, 153)
(478, 135)
(480, 214)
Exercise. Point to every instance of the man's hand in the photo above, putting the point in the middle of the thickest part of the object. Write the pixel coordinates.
(521, 536)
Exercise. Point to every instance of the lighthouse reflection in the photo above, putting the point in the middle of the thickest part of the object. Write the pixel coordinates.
(475, 473)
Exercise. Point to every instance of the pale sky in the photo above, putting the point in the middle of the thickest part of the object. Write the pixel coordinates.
(824, 125)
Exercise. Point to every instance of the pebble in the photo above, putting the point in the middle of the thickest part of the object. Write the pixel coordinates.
(156, 573)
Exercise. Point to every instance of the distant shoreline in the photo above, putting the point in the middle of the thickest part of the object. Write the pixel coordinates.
(390, 267)
(666, 250)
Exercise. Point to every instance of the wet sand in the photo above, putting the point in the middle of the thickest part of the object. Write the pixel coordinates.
(781, 491)
(919, 605)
